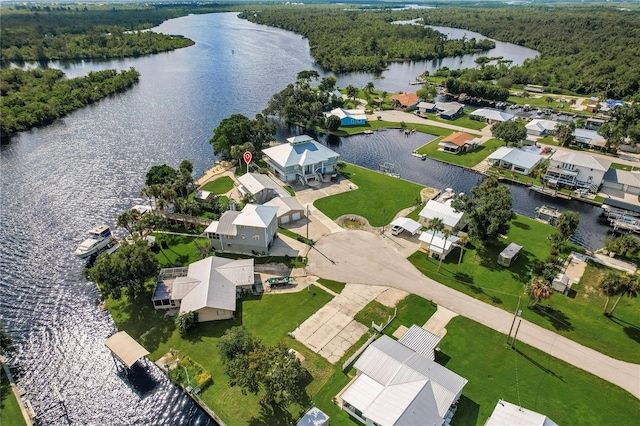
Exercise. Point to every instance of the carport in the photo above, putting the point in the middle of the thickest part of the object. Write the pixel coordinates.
(407, 224)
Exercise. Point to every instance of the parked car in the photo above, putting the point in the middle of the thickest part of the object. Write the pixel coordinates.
(396, 230)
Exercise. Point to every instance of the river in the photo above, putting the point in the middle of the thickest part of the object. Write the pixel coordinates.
(88, 167)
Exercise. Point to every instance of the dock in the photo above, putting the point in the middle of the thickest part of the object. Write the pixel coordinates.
(547, 214)
(550, 192)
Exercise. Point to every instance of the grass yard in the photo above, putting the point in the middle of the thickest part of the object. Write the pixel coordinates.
(413, 309)
(378, 198)
(380, 124)
(506, 174)
(10, 413)
(527, 377)
(623, 167)
(269, 317)
(179, 250)
(577, 317)
(462, 121)
(336, 286)
(467, 159)
(222, 185)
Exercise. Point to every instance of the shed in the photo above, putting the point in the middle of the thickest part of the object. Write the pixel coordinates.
(407, 224)
(314, 417)
(509, 254)
(560, 283)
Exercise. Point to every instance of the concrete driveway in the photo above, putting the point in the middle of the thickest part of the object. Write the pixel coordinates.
(331, 331)
(365, 258)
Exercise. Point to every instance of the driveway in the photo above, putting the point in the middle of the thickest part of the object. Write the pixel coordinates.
(364, 258)
(331, 331)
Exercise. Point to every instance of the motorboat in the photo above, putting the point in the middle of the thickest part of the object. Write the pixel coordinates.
(100, 239)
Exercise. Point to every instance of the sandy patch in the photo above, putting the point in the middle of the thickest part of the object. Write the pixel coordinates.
(391, 297)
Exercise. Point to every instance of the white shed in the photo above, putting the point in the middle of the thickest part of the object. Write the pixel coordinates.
(509, 254)
(561, 283)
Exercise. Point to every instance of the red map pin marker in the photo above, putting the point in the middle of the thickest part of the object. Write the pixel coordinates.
(247, 157)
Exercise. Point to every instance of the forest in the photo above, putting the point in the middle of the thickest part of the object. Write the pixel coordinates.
(350, 40)
(73, 32)
(584, 49)
(31, 98)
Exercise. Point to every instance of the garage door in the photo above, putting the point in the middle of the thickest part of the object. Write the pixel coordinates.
(296, 216)
(612, 185)
(284, 219)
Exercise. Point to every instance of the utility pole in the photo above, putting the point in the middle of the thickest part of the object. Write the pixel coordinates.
(515, 314)
(384, 216)
(513, 343)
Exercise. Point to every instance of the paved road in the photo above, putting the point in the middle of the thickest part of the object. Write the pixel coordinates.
(364, 258)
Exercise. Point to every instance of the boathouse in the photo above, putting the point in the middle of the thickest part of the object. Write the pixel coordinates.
(125, 348)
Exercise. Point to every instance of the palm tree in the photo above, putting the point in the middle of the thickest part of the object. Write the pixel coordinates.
(462, 241)
(540, 290)
(369, 87)
(610, 284)
(447, 233)
(435, 225)
(631, 290)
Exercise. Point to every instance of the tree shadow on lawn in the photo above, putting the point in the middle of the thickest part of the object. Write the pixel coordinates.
(217, 329)
(467, 280)
(520, 225)
(557, 318)
(272, 415)
(631, 330)
(537, 364)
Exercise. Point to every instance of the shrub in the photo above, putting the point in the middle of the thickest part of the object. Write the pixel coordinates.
(186, 322)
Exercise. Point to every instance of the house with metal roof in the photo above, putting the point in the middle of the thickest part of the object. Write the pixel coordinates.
(539, 127)
(572, 169)
(437, 244)
(260, 187)
(491, 116)
(208, 287)
(589, 139)
(452, 219)
(349, 117)
(510, 414)
(515, 159)
(250, 231)
(458, 142)
(302, 159)
(421, 341)
(395, 385)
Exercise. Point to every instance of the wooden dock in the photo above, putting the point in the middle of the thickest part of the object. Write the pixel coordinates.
(550, 192)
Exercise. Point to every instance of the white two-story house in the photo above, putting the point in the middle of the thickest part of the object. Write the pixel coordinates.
(302, 159)
(250, 231)
(576, 170)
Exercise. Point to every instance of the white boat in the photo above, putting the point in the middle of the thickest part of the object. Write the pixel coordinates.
(100, 238)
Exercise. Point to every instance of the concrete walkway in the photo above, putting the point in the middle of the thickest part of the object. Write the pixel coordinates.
(438, 322)
(621, 265)
(362, 257)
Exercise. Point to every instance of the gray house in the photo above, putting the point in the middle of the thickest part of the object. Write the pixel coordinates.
(260, 187)
(302, 159)
(250, 231)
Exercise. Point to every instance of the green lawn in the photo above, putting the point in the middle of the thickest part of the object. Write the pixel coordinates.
(380, 124)
(269, 317)
(336, 286)
(467, 159)
(179, 250)
(413, 309)
(506, 174)
(378, 198)
(578, 317)
(622, 167)
(222, 185)
(10, 413)
(527, 377)
(374, 312)
(462, 121)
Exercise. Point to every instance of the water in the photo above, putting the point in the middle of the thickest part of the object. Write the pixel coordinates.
(392, 146)
(88, 167)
